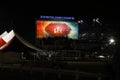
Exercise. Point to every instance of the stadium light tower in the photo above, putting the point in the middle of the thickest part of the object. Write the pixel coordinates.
(96, 20)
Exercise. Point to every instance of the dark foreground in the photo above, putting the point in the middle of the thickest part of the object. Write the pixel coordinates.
(57, 71)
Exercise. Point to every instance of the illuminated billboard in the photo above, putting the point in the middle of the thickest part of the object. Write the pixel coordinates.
(45, 29)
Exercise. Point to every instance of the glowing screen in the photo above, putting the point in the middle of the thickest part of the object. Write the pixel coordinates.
(45, 29)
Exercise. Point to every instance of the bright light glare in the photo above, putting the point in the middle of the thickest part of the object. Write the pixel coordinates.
(111, 41)
(101, 56)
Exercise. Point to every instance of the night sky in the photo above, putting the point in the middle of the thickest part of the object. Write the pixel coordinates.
(21, 16)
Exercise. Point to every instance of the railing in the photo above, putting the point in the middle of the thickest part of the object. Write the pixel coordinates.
(53, 73)
(77, 55)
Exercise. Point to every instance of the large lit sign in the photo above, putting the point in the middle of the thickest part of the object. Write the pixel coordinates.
(57, 17)
(45, 29)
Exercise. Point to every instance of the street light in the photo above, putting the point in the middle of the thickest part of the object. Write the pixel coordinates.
(111, 41)
(80, 21)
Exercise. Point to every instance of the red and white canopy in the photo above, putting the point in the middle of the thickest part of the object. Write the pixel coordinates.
(5, 39)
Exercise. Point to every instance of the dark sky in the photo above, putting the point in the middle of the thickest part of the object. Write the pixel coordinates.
(21, 16)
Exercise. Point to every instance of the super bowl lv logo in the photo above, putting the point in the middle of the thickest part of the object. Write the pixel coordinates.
(58, 29)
